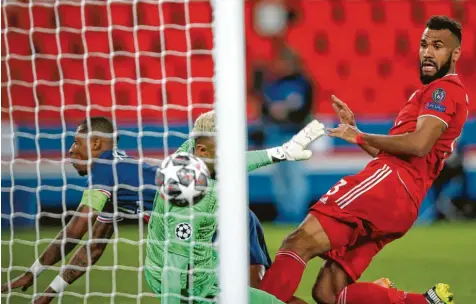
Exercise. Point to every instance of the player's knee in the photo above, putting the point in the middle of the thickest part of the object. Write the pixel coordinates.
(308, 240)
(323, 295)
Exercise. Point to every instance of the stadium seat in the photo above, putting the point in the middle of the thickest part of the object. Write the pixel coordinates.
(98, 42)
(20, 69)
(202, 66)
(123, 41)
(147, 13)
(124, 67)
(149, 41)
(150, 67)
(175, 40)
(121, 14)
(73, 69)
(18, 44)
(43, 16)
(99, 68)
(65, 11)
(47, 69)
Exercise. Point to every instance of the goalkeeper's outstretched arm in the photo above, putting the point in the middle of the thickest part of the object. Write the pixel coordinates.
(60, 247)
(84, 257)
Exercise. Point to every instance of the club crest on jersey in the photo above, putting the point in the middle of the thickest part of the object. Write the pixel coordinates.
(435, 106)
(438, 95)
(183, 231)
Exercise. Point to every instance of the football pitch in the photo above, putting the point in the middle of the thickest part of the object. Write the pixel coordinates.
(427, 255)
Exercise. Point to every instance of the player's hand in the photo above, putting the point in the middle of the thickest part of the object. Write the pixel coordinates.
(46, 298)
(343, 111)
(23, 281)
(346, 132)
(296, 148)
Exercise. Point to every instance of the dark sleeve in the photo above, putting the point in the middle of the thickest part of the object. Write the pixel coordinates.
(300, 115)
(257, 256)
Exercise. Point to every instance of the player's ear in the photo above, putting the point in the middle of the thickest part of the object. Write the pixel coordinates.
(456, 54)
(96, 143)
(201, 150)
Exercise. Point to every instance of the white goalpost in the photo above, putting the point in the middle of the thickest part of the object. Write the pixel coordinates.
(143, 63)
(231, 115)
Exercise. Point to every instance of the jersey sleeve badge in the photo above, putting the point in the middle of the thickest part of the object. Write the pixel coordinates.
(438, 95)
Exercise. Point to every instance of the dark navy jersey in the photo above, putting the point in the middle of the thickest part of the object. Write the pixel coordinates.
(258, 250)
(119, 177)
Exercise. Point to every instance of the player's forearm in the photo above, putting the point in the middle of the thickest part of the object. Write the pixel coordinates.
(101, 233)
(404, 144)
(74, 230)
(257, 159)
(56, 250)
(370, 150)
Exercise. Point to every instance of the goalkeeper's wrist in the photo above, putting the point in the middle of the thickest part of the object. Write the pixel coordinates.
(276, 154)
(37, 268)
(59, 284)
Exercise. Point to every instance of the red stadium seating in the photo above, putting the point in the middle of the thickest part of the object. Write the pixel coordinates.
(360, 50)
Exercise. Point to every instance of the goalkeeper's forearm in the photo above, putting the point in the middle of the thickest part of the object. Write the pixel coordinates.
(257, 159)
(74, 230)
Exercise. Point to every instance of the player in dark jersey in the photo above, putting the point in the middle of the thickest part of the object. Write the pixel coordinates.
(119, 186)
(362, 213)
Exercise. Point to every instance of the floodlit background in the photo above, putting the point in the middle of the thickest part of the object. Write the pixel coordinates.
(148, 66)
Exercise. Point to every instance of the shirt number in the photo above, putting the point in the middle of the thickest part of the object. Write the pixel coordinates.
(336, 188)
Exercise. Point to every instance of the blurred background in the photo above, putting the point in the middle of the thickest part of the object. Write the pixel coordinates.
(148, 65)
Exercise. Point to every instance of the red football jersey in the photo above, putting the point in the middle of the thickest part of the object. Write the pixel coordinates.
(445, 99)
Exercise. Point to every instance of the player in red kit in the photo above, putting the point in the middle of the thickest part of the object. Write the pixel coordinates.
(362, 213)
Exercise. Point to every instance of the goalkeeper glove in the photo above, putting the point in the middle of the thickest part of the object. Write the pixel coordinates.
(295, 149)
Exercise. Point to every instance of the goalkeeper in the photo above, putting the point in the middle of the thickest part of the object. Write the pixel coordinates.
(180, 267)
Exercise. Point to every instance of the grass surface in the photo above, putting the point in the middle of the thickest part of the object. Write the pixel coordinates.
(427, 255)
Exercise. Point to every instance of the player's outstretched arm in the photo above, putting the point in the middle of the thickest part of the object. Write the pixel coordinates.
(417, 143)
(346, 116)
(74, 231)
(293, 150)
(85, 256)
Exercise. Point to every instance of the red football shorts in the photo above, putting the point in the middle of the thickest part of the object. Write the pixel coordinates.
(364, 212)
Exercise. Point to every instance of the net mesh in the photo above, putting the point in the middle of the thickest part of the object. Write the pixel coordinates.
(146, 64)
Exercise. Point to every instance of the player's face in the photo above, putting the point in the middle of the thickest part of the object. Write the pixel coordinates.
(206, 151)
(78, 153)
(437, 48)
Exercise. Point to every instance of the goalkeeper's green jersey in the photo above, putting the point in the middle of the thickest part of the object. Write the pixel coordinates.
(180, 253)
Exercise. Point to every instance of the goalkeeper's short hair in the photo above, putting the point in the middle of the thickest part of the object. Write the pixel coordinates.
(205, 125)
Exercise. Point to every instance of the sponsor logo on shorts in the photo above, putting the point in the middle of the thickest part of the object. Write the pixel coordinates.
(435, 106)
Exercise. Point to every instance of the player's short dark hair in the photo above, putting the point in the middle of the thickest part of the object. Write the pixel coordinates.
(98, 124)
(445, 23)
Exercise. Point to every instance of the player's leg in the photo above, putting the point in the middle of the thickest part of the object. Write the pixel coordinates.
(370, 293)
(331, 280)
(310, 239)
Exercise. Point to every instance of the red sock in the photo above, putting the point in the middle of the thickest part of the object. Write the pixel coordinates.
(370, 293)
(282, 279)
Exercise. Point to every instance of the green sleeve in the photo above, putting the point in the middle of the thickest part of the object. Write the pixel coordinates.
(257, 159)
(95, 199)
(187, 146)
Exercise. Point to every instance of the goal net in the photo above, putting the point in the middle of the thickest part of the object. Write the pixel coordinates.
(147, 65)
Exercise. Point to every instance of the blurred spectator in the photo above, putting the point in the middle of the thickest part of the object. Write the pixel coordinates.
(285, 92)
(451, 188)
